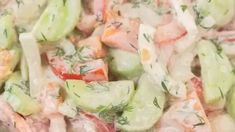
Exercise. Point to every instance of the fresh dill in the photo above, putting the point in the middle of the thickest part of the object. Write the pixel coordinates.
(109, 113)
(155, 102)
(164, 86)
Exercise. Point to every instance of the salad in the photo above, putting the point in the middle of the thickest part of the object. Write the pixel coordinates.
(117, 66)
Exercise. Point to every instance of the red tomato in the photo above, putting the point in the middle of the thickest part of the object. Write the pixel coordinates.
(94, 70)
(169, 33)
(197, 84)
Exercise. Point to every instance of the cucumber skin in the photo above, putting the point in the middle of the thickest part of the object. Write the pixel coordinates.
(216, 71)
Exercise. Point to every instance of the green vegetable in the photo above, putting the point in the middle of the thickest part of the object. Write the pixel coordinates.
(216, 71)
(7, 31)
(58, 19)
(147, 107)
(230, 103)
(222, 11)
(17, 95)
(125, 64)
(94, 95)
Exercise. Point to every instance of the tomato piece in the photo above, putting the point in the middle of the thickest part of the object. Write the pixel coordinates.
(121, 33)
(94, 43)
(99, 9)
(169, 33)
(73, 68)
(197, 85)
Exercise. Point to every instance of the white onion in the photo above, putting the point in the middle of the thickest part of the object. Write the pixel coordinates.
(33, 58)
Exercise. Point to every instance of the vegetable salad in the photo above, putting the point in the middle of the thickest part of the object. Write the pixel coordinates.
(117, 66)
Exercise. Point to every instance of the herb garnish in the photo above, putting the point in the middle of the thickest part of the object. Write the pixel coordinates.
(155, 102)
(123, 120)
(183, 7)
(164, 87)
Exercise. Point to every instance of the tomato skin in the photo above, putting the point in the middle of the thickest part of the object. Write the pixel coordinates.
(169, 33)
(99, 70)
(197, 83)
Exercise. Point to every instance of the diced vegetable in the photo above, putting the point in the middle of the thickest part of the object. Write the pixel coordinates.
(230, 104)
(8, 61)
(33, 58)
(94, 95)
(58, 19)
(216, 71)
(17, 95)
(7, 31)
(121, 33)
(147, 107)
(221, 12)
(124, 64)
(185, 115)
(153, 66)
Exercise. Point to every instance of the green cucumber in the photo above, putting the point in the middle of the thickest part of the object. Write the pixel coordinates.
(230, 104)
(221, 11)
(7, 31)
(216, 71)
(124, 64)
(94, 95)
(58, 19)
(147, 107)
(17, 95)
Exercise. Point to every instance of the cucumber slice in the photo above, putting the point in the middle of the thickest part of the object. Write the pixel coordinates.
(58, 19)
(222, 11)
(216, 71)
(230, 104)
(7, 31)
(94, 95)
(125, 64)
(147, 103)
(17, 95)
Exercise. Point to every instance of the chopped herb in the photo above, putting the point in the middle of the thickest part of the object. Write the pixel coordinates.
(109, 113)
(123, 120)
(53, 17)
(164, 87)
(209, 1)
(155, 102)
(84, 69)
(133, 46)
(44, 37)
(201, 121)
(64, 2)
(76, 95)
(147, 37)
(183, 7)
(20, 30)
(117, 24)
(5, 33)
(233, 71)
(221, 93)
(59, 52)
(108, 58)
(19, 2)
(218, 47)
(67, 85)
(199, 124)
